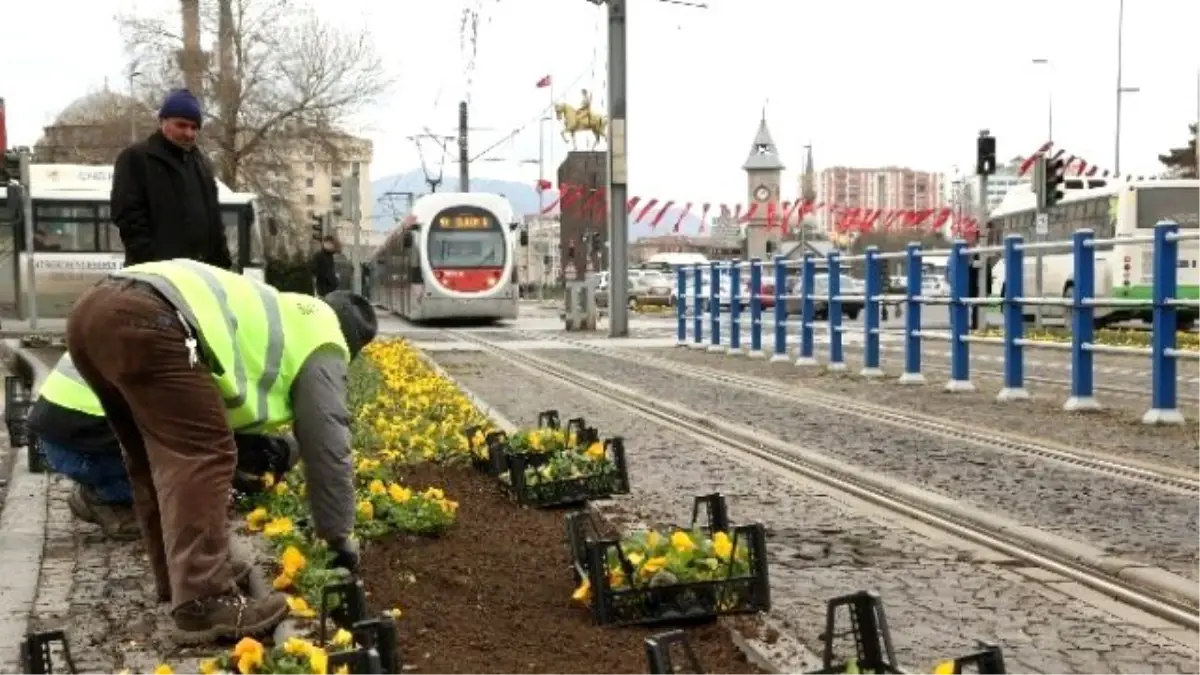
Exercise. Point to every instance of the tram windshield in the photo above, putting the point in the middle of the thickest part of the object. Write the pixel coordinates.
(466, 249)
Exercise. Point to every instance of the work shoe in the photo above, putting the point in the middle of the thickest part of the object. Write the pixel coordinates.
(115, 520)
(241, 577)
(228, 617)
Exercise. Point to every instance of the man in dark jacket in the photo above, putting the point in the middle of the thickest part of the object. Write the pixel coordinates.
(323, 268)
(164, 196)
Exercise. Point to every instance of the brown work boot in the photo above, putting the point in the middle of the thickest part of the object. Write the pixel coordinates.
(241, 577)
(228, 617)
(115, 520)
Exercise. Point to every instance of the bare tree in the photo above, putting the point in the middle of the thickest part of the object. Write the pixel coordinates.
(282, 88)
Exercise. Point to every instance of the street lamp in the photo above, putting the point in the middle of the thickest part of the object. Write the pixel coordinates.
(1121, 89)
(133, 106)
(1049, 96)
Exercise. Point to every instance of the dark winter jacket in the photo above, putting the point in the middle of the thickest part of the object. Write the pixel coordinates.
(324, 272)
(164, 202)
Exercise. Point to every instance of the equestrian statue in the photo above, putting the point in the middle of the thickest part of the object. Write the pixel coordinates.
(579, 119)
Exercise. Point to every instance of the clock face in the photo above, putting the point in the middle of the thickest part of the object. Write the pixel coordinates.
(762, 193)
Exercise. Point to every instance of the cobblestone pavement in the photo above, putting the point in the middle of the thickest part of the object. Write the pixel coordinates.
(1117, 430)
(939, 598)
(102, 594)
(1106, 511)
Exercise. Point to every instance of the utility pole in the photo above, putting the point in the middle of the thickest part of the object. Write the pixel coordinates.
(618, 177)
(26, 159)
(464, 157)
(1120, 87)
(353, 203)
(985, 165)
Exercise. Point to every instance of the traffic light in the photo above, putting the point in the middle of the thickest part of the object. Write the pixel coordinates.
(335, 196)
(318, 227)
(1056, 173)
(985, 155)
(10, 167)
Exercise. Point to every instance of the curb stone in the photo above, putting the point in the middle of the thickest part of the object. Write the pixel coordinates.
(755, 651)
(22, 537)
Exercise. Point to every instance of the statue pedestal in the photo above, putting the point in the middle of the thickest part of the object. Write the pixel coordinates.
(583, 232)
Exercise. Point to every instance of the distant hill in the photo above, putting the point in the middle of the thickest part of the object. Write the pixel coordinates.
(523, 197)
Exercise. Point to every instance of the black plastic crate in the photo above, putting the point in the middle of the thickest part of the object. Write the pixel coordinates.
(18, 399)
(642, 603)
(563, 492)
(868, 630)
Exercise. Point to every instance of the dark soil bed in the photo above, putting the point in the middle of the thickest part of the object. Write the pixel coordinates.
(494, 594)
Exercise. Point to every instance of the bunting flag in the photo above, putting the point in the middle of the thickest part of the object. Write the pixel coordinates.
(544, 82)
(1076, 166)
(592, 204)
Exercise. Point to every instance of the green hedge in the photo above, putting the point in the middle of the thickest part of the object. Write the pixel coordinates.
(291, 275)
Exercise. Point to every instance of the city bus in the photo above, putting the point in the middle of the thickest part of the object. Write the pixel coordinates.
(75, 242)
(1113, 210)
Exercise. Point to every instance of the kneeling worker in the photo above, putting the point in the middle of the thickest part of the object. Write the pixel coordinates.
(181, 354)
(68, 422)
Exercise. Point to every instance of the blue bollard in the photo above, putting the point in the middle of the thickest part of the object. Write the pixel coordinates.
(1083, 328)
(680, 305)
(780, 351)
(912, 316)
(735, 308)
(837, 355)
(808, 274)
(756, 350)
(1014, 321)
(714, 307)
(871, 312)
(960, 319)
(1164, 407)
(697, 307)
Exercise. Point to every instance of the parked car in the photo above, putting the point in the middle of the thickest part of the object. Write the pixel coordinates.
(644, 287)
(849, 286)
(766, 294)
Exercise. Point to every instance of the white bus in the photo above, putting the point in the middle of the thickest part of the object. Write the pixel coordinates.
(1113, 210)
(75, 241)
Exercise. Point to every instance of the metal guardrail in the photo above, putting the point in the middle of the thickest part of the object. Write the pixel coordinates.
(1164, 305)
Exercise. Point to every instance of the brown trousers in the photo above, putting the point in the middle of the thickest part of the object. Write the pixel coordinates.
(169, 417)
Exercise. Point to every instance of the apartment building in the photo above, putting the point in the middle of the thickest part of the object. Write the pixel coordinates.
(314, 165)
(889, 188)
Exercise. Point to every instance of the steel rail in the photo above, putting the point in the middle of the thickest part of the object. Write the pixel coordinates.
(794, 459)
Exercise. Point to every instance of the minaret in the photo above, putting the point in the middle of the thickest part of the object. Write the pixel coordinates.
(764, 170)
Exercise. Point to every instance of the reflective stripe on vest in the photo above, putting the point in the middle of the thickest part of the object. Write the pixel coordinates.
(242, 326)
(66, 388)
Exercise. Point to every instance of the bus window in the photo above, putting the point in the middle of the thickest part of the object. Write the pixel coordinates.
(65, 227)
(1167, 203)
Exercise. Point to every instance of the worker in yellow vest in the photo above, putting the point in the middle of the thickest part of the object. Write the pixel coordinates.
(180, 355)
(73, 435)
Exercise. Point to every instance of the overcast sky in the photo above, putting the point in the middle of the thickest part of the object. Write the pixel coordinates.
(868, 82)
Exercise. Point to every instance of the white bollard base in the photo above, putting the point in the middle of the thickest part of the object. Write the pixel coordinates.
(717, 349)
(697, 345)
(1160, 416)
(1008, 394)
(780, 358)
(871, 373)
(912, 378)
(756, 354)
(681, 343)
(837, 366)
(1081, 404)
(806, 362)
(959, 386)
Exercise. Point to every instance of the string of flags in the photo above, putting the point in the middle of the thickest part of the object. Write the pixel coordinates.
(1074, 164)
(592, 203)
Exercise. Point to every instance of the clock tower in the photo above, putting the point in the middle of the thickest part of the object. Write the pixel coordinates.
(764, 171)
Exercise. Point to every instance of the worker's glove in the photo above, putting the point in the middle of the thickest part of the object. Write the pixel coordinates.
(345, 554)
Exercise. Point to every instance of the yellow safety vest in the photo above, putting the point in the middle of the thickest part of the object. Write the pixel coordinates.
(259, 336)
(66, 388)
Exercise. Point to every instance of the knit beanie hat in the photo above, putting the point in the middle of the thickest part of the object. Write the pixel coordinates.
(180, 103)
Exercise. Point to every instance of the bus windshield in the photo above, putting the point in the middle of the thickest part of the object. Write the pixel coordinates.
(1168, 203)
(464, 249)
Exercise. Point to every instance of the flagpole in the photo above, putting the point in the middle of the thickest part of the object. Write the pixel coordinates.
(541, 204)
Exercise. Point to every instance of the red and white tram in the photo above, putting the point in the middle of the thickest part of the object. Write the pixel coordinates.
(453, 257)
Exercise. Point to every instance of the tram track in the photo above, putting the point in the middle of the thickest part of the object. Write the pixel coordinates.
(1182, 481)
(1173, 599)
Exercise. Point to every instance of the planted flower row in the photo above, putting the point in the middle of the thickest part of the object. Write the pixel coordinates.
(404, 414)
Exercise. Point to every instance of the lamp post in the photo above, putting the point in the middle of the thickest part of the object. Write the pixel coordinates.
(1049, 96)
(1121, 89)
